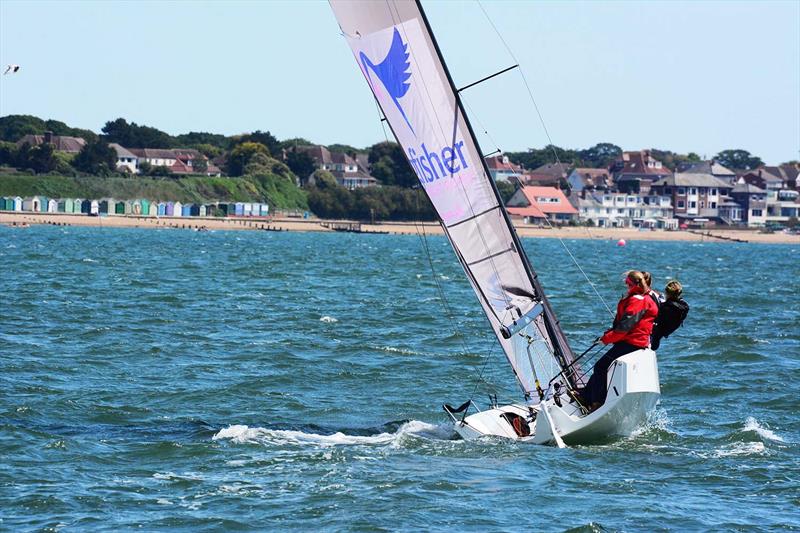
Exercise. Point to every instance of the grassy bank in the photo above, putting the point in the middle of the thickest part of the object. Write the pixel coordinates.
(278, 191)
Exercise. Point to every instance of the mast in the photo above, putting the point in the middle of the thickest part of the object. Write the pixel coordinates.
(398, 55)
(561, 346)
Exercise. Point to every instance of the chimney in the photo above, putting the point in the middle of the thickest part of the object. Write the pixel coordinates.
(48, 137)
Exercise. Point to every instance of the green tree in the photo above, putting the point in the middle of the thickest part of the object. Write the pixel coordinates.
(507, 190)
(145, 168)
(600, 155)
(135, 136)
(199, 165)
(8, 154)
(40, 159)
(264, 138)
(96, 157)
(14, 127)
(209, 150)
(738, 160)
(393, 167)
(196, 138)
(344, 149)
(301, 164)
(241, 155)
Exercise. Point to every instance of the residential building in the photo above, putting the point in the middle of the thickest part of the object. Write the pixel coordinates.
(694, 196)
(708, 167)
(753, 203)
(627, 210)
(502, 169)
(547, 175)
(61, 143)
(345, 169)
(189, 157)
(785, 206)
(156, 157)
(637, 171)
(588, 180)
(126, 160)
(538, 204)
(766, 178)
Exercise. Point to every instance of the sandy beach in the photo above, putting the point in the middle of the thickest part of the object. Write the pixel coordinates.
(297, 224)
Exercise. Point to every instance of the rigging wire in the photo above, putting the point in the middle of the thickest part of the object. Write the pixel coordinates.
(552, 147)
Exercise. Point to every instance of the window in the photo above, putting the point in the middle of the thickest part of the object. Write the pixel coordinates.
(713, 205)
(692, 190)
(713, 192)
(703, 190)
(681, 204)
(702, 205)
(692, 205)
(681, 190)
(756, 212)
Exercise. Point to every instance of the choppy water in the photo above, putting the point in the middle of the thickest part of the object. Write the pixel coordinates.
(241, 380)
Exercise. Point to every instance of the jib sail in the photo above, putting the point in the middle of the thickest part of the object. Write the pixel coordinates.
(398, 55)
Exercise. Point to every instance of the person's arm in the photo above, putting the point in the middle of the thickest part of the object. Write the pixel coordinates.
(631, 315)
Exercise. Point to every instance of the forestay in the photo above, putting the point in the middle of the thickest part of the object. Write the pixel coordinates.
(399, 58)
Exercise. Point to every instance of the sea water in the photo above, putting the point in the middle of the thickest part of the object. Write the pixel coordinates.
(159, 379)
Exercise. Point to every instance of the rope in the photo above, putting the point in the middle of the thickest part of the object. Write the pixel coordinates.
(552, 147)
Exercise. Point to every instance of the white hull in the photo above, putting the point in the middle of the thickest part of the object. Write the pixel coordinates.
(633, 391)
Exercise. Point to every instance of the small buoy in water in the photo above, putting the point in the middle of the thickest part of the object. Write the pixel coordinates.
(621, 242)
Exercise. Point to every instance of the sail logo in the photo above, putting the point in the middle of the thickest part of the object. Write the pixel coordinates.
(393, 72)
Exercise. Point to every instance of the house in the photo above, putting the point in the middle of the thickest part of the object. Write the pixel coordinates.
(627, 210)
(708, 167)
(61, 143)
(195, 162)
(345, 169)
(156, 157)
(636, 171)
(766, 178)
(547, 175)
(502, 169)
(753, 203)
(585, 180)
(694, 196)
(537, 204)
(785, 206)
(126, 160)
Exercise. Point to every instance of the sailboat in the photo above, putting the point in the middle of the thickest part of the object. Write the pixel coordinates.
(398, 55)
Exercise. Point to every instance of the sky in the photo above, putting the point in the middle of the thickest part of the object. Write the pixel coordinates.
(680, 76)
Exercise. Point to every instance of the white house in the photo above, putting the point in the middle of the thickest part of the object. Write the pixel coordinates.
(126, 159)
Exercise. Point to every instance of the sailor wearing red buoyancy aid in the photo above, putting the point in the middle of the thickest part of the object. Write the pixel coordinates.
(631, 331)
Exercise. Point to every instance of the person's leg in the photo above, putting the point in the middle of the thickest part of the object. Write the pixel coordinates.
(597, 387)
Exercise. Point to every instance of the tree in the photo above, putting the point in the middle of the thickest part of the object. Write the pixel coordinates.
(738, 160)
(145, 168)
(263, 138)
(600, 155)
(507, 190)
(41, 159)
(393, 167)
(209, 150)
(96, 157)
(8, 154)
(301, 164)
(136, 136)
(241, 155)
(197, 138)
(344, 148)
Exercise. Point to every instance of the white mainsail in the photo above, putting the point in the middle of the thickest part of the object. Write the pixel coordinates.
(398, 55)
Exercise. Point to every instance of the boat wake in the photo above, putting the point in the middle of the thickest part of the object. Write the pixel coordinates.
(751, 425)
(241, 434)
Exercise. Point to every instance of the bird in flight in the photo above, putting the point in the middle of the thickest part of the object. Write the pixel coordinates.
(11, 69)
(392, 71)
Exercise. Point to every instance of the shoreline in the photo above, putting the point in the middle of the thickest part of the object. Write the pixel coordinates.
(13, 219)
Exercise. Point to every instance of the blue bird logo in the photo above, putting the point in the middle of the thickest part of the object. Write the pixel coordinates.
(393, 72)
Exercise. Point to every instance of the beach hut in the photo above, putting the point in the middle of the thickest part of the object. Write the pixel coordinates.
(128, 207)
(86, 207)
(186, 210)
(3, 204)
(76, 205)
(107, 206)
(68, 205)
(202, 211)
(239, 209)
(27, 204)
(94, 208)
(136, 207)
(52, 206)
(161, 209)
(264, 210)
(177, 210)
(119, 208)
(6, 204)
(169, 209)
(247, 209)
(145, 207)
(152, 209)
(39, 204)
(194, 210)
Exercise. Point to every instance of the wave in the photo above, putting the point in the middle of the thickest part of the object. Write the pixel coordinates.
(741, 448)
(328, 319)
(752, 425)
(242, 434)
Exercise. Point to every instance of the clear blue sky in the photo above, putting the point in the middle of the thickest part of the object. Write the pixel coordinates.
(682, 76)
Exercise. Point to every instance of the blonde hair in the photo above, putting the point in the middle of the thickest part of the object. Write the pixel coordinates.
(674, 289)
(648, 278)
(638, 279)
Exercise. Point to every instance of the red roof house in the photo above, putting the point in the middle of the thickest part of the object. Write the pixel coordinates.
(535, 204)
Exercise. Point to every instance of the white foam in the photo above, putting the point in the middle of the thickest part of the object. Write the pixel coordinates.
(741, 448)
(328, 319)
(241, 434)
(751, 424)
(88, 260)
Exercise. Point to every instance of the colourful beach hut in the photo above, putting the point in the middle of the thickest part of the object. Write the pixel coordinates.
(3, 204)
(136, 207)
(202, 211)
(152, 209)
(247, 209)
(194, 210)
(68, 205)
(161, 209)
(119, 208)
(128, 207)
(177, 210)
(264, 210)
(107, 206)
(169, 209)
(94, 208)
(238, 209)
(186, 210)
(76, 205)
(52, 206)
(27, 204)
(40, 204)
(145, 207)
(86, 207)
